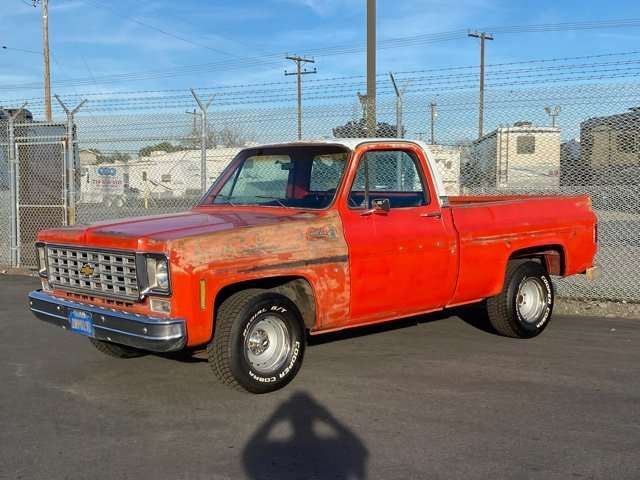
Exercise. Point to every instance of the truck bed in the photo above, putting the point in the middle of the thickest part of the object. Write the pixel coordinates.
(492, 229)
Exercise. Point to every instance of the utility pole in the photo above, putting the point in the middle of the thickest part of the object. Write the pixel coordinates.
(434, 114)
(371, 68)
(553, 113)
(45, 52)
(399, 95)
(482, 36)
(298, 73)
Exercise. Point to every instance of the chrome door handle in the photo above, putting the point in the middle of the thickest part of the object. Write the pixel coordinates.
(432, 215)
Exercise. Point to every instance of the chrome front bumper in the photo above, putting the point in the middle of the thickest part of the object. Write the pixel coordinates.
(146, 333)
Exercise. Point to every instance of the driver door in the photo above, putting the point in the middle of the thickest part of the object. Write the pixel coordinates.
(400, 259)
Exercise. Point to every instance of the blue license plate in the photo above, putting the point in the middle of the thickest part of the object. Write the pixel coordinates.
(81, 322)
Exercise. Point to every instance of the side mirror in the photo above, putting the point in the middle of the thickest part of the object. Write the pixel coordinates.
(379, 206)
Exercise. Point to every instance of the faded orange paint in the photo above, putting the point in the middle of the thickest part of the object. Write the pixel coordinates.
(362, 268)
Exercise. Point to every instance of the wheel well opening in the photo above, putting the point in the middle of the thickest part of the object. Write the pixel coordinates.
(296, 289)
(550, 256)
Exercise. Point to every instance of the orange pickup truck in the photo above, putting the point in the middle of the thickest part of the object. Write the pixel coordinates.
(306, 238)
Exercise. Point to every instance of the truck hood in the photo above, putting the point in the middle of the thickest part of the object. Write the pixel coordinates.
(150, 233)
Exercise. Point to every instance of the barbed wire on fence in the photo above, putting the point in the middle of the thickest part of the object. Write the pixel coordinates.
(139, 153)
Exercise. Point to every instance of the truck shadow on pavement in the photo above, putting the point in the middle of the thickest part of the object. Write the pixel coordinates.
(303, 440)
(474, 315)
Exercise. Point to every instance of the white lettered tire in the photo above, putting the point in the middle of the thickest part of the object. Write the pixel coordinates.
(523, 309)
(259, 341)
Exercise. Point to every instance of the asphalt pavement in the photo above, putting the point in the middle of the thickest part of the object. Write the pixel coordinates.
(439, 397)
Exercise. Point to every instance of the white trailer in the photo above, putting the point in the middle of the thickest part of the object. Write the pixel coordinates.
(522, 157)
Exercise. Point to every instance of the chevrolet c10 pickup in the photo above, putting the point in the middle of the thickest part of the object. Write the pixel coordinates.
(304, 238)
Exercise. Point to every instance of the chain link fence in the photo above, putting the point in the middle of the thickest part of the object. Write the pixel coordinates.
(144, 153)
(5, 210)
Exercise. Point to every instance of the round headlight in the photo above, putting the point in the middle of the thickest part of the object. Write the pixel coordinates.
(162, 274)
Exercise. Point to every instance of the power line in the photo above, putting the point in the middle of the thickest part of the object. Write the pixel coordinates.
(4, 47)
(491, 68)
(341, 83)
(242, 62)
(164, 105)
(433, 80)
(115, 12)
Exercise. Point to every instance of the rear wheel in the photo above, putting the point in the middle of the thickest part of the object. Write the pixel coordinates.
(523, 308)
(116, 350)
(259, 341)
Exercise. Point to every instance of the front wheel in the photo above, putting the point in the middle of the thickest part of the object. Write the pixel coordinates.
(258, 343)
(523, 308)
(116, 350)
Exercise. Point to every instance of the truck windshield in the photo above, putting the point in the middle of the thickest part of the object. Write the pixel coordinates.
(298, 176)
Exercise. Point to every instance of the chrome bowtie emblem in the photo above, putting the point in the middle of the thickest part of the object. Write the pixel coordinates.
(87, 270)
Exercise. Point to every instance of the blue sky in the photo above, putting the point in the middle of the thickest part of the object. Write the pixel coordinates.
(89, 40)
(204, 44)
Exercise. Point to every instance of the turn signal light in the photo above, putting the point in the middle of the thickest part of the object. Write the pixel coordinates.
(160, 305)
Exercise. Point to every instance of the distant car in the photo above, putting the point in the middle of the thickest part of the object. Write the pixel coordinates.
(309, 237)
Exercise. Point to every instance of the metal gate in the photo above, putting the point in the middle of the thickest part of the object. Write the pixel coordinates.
(5, 205)
(37, 185)
(41, 193)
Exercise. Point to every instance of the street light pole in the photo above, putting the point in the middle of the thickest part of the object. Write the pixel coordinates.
(399, 106)
(204, 136)
(553, 113)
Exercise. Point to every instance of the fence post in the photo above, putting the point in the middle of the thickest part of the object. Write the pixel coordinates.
(204, 182)
(14, 240)
(70, 167)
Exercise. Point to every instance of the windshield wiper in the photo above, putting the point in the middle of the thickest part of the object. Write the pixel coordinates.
(226, 200)
(272, 198)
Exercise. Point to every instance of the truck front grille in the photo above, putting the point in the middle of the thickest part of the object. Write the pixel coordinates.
(109, 274)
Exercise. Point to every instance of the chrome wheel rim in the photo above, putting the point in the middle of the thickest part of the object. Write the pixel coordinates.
(531, 300)
(267, 344)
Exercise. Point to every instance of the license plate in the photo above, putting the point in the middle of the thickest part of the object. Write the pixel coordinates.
(81, 322)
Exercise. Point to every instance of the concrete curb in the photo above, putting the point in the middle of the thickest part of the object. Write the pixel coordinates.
(30, 272)
(597, 308)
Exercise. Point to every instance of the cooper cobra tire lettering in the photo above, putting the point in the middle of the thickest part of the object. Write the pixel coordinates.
(230, 352)
(503, 309)
(294, 357)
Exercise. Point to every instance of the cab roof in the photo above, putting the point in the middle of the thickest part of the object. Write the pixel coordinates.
(353, 143)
